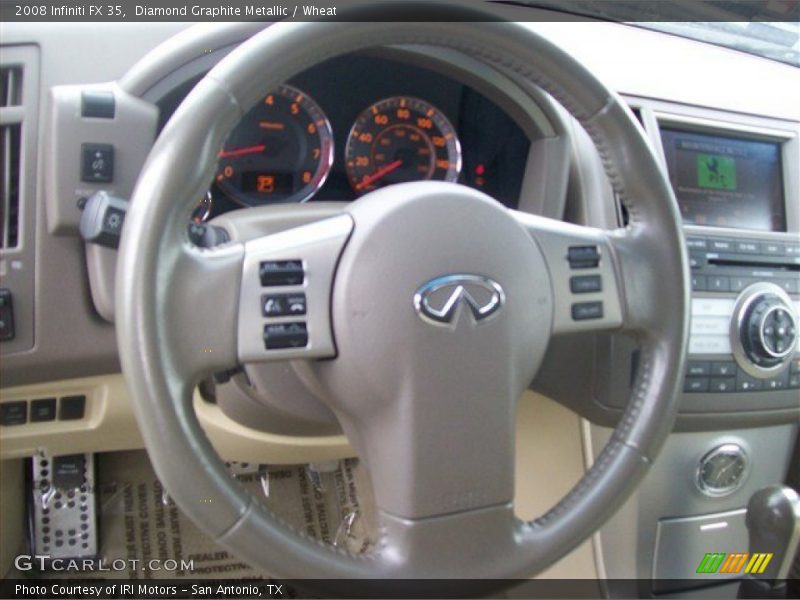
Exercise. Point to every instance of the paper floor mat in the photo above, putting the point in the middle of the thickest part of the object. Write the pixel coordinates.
(138, 521)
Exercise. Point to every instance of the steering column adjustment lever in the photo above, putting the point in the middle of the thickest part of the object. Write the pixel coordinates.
(104, 215)
(773, 525)
(102, 219)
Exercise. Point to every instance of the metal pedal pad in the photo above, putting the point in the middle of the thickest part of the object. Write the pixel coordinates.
(64, 506)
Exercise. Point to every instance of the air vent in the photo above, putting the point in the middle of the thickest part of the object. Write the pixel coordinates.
(10, 86)
(9, 184)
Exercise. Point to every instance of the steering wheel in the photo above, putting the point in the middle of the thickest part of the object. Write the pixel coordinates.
(429, 309)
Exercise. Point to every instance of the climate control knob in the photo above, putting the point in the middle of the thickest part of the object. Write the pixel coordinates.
(764, 330)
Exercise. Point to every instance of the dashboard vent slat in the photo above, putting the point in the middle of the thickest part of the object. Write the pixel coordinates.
(9, 184)
(10, 86)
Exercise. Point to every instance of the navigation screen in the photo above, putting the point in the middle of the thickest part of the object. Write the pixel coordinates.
(726, 182)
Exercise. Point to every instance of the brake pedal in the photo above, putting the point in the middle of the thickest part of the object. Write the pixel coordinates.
(64, 506)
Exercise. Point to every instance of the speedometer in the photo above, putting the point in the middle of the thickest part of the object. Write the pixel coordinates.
(401, 139)
(281, 151)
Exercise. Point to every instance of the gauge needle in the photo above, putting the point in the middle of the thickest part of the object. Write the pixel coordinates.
(242, 151)
(383, 171)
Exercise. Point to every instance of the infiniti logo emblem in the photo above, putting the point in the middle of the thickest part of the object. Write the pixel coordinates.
(441, 299)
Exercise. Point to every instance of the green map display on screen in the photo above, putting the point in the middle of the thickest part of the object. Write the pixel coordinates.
(716, 172)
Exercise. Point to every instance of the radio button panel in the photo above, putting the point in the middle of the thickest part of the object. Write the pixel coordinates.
(745, 315)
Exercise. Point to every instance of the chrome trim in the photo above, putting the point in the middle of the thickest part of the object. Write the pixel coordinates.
(729, 448)
(459, 156)
(460, 296)
(788, 351)
(305, 193)
(743, 302)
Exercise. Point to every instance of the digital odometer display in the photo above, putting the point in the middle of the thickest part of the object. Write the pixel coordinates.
(723, 181)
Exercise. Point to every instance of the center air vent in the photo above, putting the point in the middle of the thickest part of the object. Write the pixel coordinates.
(10, 86)
(9, 185)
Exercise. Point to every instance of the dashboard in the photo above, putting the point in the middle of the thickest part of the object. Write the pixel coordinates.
(731, 152)
(359, 122)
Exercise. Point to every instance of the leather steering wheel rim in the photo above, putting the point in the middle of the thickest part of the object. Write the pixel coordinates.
(165, 351)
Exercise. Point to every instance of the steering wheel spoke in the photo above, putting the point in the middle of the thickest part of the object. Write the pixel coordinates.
(284, 303)
(582, 265)
(202, 284)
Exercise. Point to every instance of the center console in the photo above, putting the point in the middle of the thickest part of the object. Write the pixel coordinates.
(731, 187)
(735, 179)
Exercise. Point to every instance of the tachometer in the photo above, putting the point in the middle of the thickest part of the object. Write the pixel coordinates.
(281, 151)
(401, 139)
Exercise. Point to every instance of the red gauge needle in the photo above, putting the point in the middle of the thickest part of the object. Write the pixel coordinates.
(383, 171)
(242, 151)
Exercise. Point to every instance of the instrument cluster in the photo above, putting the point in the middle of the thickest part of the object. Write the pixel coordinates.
(282, 150)
(359, 123)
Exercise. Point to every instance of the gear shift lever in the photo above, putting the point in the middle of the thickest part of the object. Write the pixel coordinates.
(773, 525)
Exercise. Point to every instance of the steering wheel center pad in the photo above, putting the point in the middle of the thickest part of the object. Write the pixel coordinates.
(451, 386)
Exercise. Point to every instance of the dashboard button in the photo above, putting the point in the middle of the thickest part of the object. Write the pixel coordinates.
(747, 247)
(697, 261)
(696, 385)
(699, 283)
(583, 311)
(97, 104)
(285, 335)
(745, 383)
(794, 381)
(723, 369)
(585, 284)
(789, 285)
(720, 245)
(71, 408)
(282, 305)
(780, 382)
(583, 257)
(695, 243)
(719, 284)
(723, 385)
(281, 272)
(739, 283)
(97, 163)
(14, 413)
(43, 409)
(772, 248)
(698, 369)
